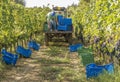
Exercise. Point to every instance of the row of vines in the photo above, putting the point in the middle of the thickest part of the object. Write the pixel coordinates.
(19, 23)
(97, 23)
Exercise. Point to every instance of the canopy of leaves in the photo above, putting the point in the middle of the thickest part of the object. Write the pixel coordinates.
(99, 18)
(22, 2)
(17, 21)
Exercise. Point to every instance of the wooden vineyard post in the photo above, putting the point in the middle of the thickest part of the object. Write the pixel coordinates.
(46, 39)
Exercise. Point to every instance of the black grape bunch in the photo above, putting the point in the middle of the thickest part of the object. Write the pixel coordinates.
(96, 39)
(117, 46)
(103, 45)
(102, 48)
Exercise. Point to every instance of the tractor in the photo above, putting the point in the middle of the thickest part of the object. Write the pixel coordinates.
(64, 28)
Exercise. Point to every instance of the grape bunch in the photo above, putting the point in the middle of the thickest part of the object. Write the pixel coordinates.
(96, 39)
(118, 56)
(103, 45)
(117, 45)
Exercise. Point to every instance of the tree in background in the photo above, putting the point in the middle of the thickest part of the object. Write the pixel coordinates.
(22, 2)
(87, 1)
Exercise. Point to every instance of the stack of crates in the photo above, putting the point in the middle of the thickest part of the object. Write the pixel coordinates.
(60, 18)
(86, 55)
(64, 24)
(62, 28)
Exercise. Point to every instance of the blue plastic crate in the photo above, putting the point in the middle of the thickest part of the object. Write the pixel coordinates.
(78, 45)
(60, 19)
(67, 21)
(9, 58)
(93, 70)
(62, 28)
(75, 47)
(109, 68)
(34, 45)
(4, 52)
(24, 52)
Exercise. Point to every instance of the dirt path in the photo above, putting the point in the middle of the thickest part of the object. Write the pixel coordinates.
(46, 66)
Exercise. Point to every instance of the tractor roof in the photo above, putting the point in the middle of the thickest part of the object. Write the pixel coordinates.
(59, 8)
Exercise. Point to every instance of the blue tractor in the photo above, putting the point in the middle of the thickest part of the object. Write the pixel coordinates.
(64, 28)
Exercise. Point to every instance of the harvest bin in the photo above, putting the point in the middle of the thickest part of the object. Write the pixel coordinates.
(75, 47)
(86, 55)
(93, 70)
(60, 20)
(24, 52)
(87, 58)
(62, 28)
(34, 45)
(82, 50)
(9, 58)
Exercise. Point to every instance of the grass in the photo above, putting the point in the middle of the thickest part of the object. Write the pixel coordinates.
(60, 74)
(69, 75)
(55, 51)
(50, 72)
(1, 67)
(54, 61)
(1, 71)
(57, 66)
